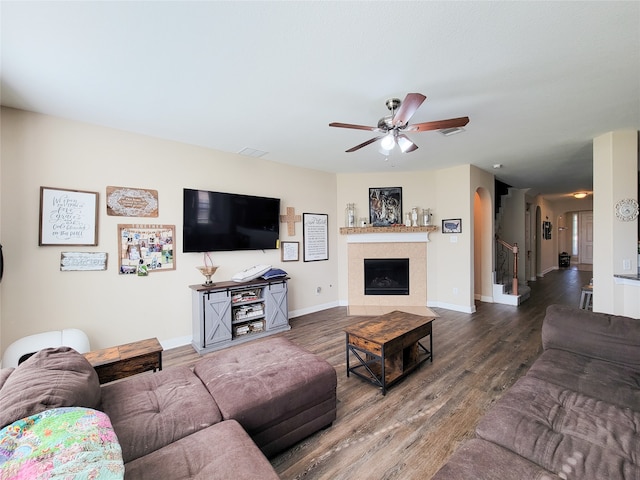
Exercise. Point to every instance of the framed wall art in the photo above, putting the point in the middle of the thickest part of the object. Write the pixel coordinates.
(68, 217)
(452, 225)
(146, 248)
(290, 251)
(385, 206)
(315, 236)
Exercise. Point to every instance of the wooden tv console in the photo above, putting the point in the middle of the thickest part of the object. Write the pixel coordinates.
(228, 313)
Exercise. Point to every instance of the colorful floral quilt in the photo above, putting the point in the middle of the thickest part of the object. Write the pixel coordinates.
(61, 443)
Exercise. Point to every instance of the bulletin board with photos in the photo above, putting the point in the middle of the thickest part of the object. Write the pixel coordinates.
(146, 248)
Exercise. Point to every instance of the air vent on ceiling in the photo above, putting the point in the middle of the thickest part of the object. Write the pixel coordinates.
(451, 131)
(252, 152)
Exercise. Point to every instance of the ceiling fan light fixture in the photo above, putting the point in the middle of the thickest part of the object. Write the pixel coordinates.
(393, 127)
(404, 144)
(388, 142)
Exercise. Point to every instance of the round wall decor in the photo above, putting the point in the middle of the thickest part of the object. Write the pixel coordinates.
(627, 209)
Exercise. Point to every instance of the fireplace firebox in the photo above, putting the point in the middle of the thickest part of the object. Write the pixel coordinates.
(386, 276)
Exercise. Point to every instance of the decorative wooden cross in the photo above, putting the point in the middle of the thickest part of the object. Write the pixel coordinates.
(290, 219)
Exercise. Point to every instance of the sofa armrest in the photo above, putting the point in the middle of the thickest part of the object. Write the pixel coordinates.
(606, 337)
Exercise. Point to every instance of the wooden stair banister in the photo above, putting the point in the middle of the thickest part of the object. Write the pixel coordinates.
(514, 249)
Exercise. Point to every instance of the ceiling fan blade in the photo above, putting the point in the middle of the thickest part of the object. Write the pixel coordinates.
(349, 125)
(408, 107)
(438, 125)
(368, 142)
(405, 144)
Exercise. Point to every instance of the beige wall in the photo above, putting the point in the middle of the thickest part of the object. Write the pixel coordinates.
(449, 194)
(35, 296)
(38, 150)
(615, 174)
(417, 190)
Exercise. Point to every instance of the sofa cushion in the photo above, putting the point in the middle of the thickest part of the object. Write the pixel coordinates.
(565, 431)
(481, 460)
(590, 376)
(220, 452)
(151, 410)
(265, 383)
(606, 337)
(52, 378)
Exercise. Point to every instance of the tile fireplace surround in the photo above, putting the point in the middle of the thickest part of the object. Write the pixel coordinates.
(376, 242)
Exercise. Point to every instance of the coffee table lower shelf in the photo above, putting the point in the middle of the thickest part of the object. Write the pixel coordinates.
(384, 371)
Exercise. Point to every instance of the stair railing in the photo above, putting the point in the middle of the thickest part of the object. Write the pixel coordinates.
(507, 264)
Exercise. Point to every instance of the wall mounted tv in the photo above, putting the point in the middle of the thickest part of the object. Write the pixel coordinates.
(217, 221)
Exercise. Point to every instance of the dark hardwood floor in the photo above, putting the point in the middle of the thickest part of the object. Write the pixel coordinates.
(410, 432)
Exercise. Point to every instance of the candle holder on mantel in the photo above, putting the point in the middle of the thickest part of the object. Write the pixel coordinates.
(207, 271)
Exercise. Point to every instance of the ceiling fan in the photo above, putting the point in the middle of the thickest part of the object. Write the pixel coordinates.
(394, 125)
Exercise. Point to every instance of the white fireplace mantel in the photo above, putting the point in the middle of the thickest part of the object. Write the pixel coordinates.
(388, 234)
(389, 238)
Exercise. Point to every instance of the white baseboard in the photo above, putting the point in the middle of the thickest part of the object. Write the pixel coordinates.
(314, 309)
(176, 342)
(483, 298)
(451, 306)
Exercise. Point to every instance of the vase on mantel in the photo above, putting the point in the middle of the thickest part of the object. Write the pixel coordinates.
(350, 215)
(414, 217)
(426, 217)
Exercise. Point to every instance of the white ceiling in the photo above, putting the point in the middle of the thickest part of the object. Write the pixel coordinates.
(538, 80)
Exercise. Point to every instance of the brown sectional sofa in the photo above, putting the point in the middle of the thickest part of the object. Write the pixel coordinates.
(574, 415)
(221, 419)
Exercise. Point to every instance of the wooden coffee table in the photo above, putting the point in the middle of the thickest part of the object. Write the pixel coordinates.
(388, 348)
(114, 363)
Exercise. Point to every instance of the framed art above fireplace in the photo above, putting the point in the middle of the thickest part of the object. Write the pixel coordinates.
(385, 206)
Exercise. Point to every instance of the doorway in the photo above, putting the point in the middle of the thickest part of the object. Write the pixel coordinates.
(483, 251)
(585, 237)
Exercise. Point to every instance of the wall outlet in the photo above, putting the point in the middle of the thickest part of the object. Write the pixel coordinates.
(626, 264)
(455, 290)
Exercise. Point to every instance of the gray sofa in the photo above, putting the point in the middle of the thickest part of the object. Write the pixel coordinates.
(220, 419)
(574, 415)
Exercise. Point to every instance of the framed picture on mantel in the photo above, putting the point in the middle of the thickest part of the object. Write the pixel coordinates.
(385, 206)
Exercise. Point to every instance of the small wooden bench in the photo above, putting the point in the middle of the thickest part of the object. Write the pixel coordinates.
(122, 361)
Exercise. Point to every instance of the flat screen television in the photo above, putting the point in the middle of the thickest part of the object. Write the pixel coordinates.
(218, 221)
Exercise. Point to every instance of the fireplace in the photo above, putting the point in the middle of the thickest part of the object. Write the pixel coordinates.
(386, 276)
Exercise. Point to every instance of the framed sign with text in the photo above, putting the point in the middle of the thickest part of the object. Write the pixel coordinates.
(132, 202)
(315, 236)
(289, 251)
(68, 217)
